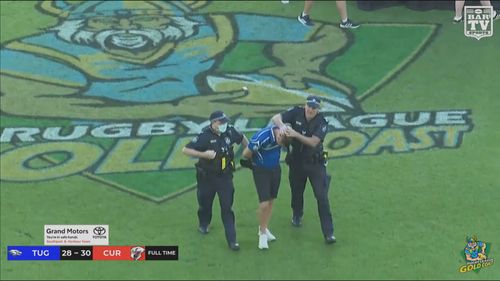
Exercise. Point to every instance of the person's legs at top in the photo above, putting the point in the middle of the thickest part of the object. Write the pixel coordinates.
(459, 7)
(488, 3)
(345, 22)
(304, 17)
(342, 8)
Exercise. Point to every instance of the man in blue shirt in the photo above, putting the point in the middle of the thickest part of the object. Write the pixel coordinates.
(265, 149)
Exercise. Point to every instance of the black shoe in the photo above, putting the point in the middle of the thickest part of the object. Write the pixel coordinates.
(203, 229)
(234, 246)
(330, 239)
(297, 221)
(305, 20)
(348, 24)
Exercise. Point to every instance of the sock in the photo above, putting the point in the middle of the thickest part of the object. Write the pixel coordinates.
(344, 20)
(304, 14)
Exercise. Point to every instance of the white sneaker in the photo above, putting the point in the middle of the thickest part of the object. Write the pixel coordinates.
(270, 236)
(263, 242)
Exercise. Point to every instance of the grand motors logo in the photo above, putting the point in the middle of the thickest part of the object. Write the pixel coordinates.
(121, 87)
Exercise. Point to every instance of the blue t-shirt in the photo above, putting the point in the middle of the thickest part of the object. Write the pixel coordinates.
(266, 151)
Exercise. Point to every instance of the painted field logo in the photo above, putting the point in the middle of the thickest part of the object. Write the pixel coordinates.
(478, 21)
(120, 87)
(476, 255)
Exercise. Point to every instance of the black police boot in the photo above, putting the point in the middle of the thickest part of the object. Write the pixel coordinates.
(297, 221)
(234, 246)
(330, 239)
(203, 229)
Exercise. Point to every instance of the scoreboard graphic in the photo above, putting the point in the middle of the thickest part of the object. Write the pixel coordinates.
(96, 253)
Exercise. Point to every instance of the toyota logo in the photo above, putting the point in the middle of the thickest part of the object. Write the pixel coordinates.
(99, 230)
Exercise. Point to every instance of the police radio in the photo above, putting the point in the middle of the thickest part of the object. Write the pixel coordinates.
(324, 156)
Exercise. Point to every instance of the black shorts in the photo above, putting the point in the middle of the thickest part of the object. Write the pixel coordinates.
(267, 182)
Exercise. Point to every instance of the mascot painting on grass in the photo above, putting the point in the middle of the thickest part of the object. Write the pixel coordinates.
(139, 60)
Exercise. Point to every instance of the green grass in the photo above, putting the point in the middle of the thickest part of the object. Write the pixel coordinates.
(237, 60)
(397, 216)
(389, 46)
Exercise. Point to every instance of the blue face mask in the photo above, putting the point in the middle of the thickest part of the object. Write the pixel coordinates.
(223, 128)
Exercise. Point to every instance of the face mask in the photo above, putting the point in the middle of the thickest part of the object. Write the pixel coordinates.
(223, 128)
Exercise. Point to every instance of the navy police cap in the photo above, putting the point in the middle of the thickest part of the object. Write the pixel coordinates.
(218, 116)
(313, 101)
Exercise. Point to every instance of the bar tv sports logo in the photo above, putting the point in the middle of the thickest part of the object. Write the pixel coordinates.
(478, 21)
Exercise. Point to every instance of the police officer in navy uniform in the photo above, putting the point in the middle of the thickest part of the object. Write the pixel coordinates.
(307, 160)
(214, 172)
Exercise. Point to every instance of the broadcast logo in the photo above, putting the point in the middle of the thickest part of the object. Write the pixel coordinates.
(478, 21)
(99, 230)
(476, 254)
(15, 252)
(136, 252)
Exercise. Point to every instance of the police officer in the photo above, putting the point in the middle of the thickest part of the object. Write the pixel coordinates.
(214, 172)
(307, 160)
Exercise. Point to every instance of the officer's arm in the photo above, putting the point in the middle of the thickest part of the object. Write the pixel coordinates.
(244, 141)
(310, 141)
(317, 136)
(253, 145)
(209, 154)
(247, 153)
(278, 121)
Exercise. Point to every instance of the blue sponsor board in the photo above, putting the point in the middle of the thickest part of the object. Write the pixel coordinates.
(30, 253)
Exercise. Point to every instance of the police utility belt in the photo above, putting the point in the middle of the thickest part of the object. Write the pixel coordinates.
(220, 165)
(320, 157)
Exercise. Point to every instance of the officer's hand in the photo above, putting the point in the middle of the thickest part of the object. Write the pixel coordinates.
(291, 133)
(209, 154)
(283, 129)
(247, 163)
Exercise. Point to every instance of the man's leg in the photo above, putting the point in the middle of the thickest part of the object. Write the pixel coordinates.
(205, 194)
(297, 180)
(264, 217)
(320, 184)
(265, 212)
